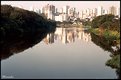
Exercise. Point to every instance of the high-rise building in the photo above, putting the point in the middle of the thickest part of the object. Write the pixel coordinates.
(59, 18)
(94, 12)
(72, 11)
(99, 10)
(77, 15)
(91, 12)
(105, 12)
(65, 9)
(58, 15)
(65, 13)
(31, 8)
(87, 12)
(112, 10)
(60, 10)
(49, 11)
(38, 11)
(81, 15)
(118, 11)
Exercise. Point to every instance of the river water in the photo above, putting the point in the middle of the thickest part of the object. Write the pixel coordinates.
(68, 53)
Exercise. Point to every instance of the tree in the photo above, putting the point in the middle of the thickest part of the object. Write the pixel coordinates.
(16, 21)
(107, 21)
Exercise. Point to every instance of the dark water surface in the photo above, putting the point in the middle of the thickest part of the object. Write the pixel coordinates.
(66, 54)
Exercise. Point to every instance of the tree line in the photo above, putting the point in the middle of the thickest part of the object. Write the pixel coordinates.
(107, 21)
(16, 21)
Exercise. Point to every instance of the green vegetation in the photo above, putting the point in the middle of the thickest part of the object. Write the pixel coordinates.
(86, 22)
(108, 34)
(114, 62)
(107, 28)
(16, 22)
(106, 45)
(107, 21)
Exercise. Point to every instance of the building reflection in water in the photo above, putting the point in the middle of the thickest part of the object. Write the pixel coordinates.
(49, 38)
(68, 35)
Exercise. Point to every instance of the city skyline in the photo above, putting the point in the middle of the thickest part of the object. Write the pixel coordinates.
(79, 5)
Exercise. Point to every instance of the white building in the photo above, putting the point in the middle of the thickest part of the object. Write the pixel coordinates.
(81, 14)
(63, 14)
(112, 10)
(105, 12)
(59, 18)
(65, 9)
(60, 10)
(87, 12)
(94, 12)
(72, 11)
(118, 12)
(49, 11)
(99, 10)
(31, 8)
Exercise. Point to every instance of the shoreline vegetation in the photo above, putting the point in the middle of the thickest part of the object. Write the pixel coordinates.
(108, 35)
(20, 27)
(69, 25)
(17, 22)
(107, 28)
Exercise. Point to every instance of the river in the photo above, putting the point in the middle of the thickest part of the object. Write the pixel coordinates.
(68, 53)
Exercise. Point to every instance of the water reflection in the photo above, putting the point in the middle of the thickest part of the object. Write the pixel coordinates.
(65, 35)
(68, 35)
(105, 44)
(10, 47)
(108, 45)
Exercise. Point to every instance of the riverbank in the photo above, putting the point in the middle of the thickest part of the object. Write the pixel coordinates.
(69, 25)
(112, 39)
(108, 34)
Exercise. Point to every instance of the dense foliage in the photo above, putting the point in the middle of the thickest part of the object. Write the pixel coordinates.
(107, 21)
(107, 28)
(86, 22)
(16, 21)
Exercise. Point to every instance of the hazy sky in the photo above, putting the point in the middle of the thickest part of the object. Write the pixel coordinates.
(79, 5)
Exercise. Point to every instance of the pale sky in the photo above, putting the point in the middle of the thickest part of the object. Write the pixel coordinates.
(79, 5)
